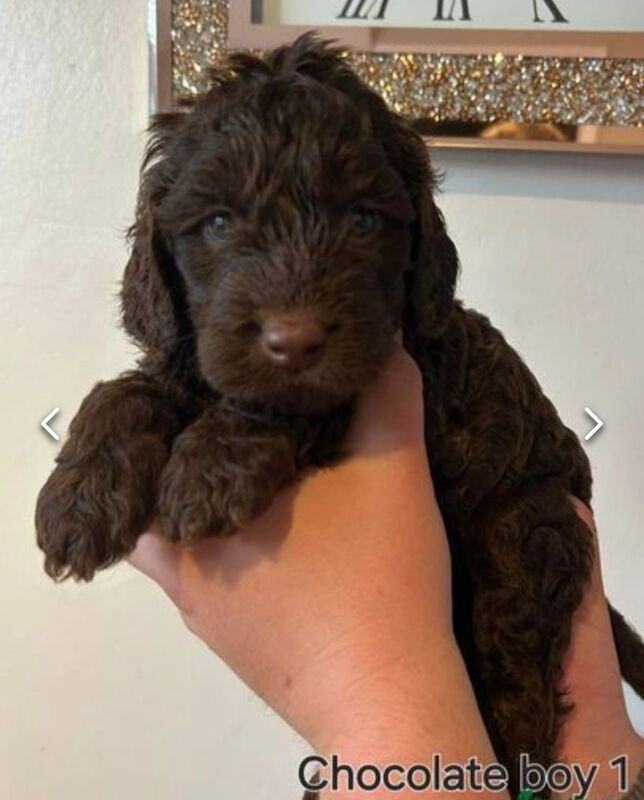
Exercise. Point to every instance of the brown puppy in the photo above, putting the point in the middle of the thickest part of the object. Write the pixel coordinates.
(285, 229)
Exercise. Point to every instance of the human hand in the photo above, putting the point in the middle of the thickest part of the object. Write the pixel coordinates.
(598, 728)
(335, 605)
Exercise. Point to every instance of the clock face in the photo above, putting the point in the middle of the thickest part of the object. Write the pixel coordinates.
(556, 15)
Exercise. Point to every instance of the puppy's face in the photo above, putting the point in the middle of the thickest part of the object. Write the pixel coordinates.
(291, 231)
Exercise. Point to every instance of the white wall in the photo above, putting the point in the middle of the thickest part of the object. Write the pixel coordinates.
(104, 694)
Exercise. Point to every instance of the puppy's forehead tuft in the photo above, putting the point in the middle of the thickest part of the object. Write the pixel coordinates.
(299, 123)
(286, 131)
(292, 105)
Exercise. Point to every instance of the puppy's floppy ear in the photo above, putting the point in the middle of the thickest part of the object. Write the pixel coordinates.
(434, 271)
(434, 264)
(151, 290)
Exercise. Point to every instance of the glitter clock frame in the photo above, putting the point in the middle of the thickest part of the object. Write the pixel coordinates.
(462, 89)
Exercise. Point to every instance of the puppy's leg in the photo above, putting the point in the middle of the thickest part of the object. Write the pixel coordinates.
(531, 561)
(102, 494)
(223, 472)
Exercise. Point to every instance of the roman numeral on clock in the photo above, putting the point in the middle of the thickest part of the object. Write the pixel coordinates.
(446, 10)
(440, 11)
(362, 9)
(557, 16)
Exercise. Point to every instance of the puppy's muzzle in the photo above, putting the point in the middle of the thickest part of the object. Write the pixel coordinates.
(293, 341)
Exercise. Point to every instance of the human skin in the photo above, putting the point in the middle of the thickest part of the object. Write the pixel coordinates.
(334, 606)
(598, 729)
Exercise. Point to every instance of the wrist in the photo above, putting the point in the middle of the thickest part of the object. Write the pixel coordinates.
(376, 761)
(389, 705)
(408, 766)
(405, 727)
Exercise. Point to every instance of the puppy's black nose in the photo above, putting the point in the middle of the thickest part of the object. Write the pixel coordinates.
(293, 341)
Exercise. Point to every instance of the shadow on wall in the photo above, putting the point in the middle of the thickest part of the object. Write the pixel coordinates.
(565, 176)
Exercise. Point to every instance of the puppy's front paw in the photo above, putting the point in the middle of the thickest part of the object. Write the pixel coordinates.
(211, 485)
(77, 527)
(90, 513)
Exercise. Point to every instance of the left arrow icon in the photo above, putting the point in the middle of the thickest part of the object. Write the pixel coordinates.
(48, 418)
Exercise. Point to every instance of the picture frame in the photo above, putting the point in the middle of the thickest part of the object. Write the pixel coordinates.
(549, 86)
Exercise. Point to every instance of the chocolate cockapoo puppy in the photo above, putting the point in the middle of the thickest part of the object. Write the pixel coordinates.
(285, 230)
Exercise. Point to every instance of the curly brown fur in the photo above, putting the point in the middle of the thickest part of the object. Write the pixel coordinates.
(102, 493)
(286, 227)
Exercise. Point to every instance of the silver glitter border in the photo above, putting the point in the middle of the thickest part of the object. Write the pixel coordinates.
(191, 35)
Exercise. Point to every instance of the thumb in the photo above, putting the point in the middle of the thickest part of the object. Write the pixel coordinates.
(389, 415)
(159, 560)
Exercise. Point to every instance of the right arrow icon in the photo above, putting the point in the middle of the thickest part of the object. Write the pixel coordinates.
(598, 424)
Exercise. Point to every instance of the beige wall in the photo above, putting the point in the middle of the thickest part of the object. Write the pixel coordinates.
(103, 692)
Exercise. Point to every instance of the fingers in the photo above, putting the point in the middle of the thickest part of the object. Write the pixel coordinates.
(584, 513)
(595, 595)
(159, 560)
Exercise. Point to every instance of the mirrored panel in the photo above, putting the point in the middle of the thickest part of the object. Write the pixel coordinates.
(517, 74)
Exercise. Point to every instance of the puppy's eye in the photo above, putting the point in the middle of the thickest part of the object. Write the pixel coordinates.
(218, 226)
(364, 221)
